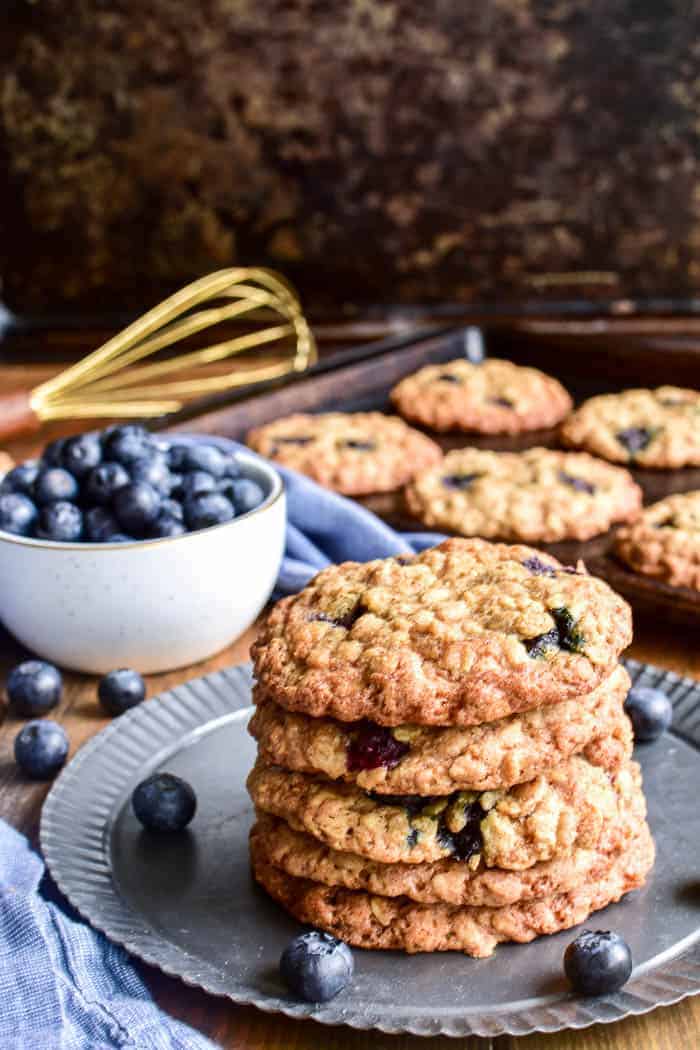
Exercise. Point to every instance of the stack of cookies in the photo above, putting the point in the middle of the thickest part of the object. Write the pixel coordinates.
(444, 762)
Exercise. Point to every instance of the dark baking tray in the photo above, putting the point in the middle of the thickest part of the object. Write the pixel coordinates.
(586, 366)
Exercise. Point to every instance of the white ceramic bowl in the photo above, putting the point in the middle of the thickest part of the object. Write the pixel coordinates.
(152, 605)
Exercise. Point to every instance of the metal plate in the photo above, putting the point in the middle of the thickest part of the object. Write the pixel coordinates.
(188, 904)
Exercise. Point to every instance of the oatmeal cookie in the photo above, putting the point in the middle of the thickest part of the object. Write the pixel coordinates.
(427, 760)
(536, 496)
(665, 541)
(446, 881)
(493, 397)
(515, 828)
(369, 921)
(649, 428)
(354, 453)
(465, 632)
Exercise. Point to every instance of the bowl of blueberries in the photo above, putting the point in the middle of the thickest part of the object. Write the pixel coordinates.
(127, 548)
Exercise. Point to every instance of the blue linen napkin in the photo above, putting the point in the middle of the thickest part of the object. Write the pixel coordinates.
(63, 985)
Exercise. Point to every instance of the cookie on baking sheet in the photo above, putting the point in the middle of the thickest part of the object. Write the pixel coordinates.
(556, 812)
(494, 397)
(665, 541)
(369, 921)
(649, 428)
(447, 881)
(536, 496)
(426, 760)
(465, 632)
(354, 453)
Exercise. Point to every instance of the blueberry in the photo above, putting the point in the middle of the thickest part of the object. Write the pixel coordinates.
(196, 483)
(136, 506)
(316, 966)
(154, 471)
(17, 513)
(21, 479)
(372, 746)
(649, 711)
(459, 481)
(33, 688)
(502, 402)
(449, 377)
(578, 484)
(211, 508)
(99, 524)
(103, 482)
(635, 439)
(176, 457)
(597, 962)
(120, 690)
(232, 468)
(81, 454)
(55, 483)
(164, 802)
(166, 526)
(204, 457)
(126, 444)
(61, 522)
(246, 495)
(53, 453)
(41, 748)
(173, 508)
(118, 537)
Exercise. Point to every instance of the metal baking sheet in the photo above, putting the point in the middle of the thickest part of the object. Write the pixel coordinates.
(188, 905)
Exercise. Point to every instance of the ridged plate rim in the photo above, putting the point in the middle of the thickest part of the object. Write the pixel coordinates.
(76, 848)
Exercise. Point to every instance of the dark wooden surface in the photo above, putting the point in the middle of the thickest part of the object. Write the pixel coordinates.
(237, 1028)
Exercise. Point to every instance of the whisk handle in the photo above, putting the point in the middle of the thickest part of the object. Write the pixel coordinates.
(17, 417)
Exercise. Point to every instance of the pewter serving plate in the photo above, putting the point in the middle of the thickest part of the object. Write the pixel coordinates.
(187, 903)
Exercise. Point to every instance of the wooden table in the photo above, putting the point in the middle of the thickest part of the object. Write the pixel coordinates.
(237, 1028)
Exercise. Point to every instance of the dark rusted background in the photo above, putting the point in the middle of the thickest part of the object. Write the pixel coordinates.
(375, 150)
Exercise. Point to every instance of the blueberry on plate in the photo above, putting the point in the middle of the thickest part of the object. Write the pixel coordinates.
(597, 962)
(245, 494)
(99, 523)
(81, 454)
(649, 711)
(21, 479)
(316, 966)
(41, 748)
(55, 483)
(164, 802)
(211, 508)
(102, 482)
(154, 470)
(136, 506)
(119, 690)
(204, 457)
(61, 522)
(166, 526)
(33, 688)
(17, 513)
(196, 483)
(118, 537)
(126, 444)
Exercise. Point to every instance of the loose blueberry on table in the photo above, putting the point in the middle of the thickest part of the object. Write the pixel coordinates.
(598, 962)
(41, 748)
(33, 688)
(316, 966)
(122, 485)
(650, 712)
(164, 802)
(121, 689)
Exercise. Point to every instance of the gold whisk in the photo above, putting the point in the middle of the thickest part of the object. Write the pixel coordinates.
(111, 383)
